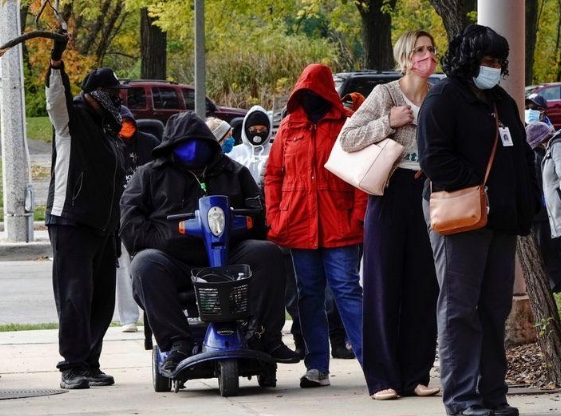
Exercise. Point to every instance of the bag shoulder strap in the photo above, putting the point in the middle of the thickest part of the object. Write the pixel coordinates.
(490, 163)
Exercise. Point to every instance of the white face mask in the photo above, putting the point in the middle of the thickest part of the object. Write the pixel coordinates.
(488, 77)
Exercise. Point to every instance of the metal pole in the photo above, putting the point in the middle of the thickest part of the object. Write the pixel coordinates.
(200, 76)
(18, 191)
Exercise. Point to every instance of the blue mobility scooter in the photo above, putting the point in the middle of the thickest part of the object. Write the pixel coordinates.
(221, 292)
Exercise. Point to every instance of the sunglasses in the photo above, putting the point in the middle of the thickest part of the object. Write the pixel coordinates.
(422, 49)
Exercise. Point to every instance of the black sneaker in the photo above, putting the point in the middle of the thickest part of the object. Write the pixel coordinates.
(74, 378)
(282, 354)
(342, 351)
(180, 350)
(97, 377)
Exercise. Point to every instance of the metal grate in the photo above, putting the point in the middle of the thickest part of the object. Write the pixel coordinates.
(21, 394)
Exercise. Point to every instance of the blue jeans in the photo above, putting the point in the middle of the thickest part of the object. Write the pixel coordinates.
(314, 269)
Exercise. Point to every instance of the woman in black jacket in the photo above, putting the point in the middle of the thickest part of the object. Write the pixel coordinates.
(475, 269)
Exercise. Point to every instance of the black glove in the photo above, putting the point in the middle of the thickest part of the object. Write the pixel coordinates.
(59, 46)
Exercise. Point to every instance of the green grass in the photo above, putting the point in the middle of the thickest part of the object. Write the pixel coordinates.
(26, 327)
(39, 128)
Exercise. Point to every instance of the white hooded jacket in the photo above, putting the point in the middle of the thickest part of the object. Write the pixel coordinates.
(253, 156)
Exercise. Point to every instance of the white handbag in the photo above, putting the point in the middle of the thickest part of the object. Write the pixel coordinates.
(368, 169)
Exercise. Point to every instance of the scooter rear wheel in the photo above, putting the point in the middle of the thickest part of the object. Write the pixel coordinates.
(161, 383)
(228, 378)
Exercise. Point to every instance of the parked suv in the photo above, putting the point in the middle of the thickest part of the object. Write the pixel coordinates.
(365, 81)
(360, 81)
(551, 91)
(152, 102)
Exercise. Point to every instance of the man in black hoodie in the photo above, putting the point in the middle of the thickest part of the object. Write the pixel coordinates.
(188, 165)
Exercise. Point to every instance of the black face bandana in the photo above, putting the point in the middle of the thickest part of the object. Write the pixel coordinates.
(112, 118)
(314, 105)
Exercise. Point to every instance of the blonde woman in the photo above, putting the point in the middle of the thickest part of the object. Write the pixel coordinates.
(399, 280)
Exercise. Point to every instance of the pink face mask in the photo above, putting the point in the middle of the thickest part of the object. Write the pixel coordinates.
(424, 66)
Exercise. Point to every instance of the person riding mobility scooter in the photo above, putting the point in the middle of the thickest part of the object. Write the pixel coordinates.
(187, 166)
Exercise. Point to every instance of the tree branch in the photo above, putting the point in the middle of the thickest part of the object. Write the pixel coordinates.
(30, 35)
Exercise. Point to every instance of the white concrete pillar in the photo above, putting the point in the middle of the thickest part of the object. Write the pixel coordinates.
(16, 170)
(506, 17)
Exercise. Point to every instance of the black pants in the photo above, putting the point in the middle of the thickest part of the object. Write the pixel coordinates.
(475, 272)
(158, 277)
(400, 289)
(84, 291)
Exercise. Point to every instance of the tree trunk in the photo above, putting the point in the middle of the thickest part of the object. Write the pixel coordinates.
(453, 14)
(544, 309)
(531, 32)
(153, 48)
(376, 34)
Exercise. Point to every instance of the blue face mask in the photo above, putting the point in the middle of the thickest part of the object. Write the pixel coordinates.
(194, 153)
(488, 77)
(228, 144)
(532, 116)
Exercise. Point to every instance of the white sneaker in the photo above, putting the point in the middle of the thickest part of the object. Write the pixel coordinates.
(314, 378)
(129, 328)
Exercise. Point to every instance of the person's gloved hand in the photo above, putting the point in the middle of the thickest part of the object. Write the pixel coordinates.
(59, 46)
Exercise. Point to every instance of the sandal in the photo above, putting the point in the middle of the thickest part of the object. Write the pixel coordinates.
(424, 391)
(387, 394)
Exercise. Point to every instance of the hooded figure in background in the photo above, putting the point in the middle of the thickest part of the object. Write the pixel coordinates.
(187, 165)
(253, 152)
(138, 151)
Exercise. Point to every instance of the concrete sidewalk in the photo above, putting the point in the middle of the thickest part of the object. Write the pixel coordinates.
(27, 362)
(28, 359)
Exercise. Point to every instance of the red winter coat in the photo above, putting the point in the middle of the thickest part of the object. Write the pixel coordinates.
(307, 206)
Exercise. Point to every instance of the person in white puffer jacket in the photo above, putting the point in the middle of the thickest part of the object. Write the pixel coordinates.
(253, 152)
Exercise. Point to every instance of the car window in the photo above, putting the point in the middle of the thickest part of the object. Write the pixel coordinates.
(165, 98)
(189, 97)
(551, 93)
(136, 98)
(365, 85)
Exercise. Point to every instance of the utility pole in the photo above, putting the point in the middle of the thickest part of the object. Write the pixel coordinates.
(200, 75)
(16, 167)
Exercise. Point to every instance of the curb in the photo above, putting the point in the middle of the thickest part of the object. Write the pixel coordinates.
(39, 248)
(25, 251)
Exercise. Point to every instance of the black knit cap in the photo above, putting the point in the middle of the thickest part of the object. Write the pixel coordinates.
(101, 78)
(257, 118)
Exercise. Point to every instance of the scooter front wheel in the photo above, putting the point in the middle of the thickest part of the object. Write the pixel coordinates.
(228, 378)
(161, 383)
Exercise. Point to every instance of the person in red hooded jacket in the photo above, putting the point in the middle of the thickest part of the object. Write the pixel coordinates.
(317, 215)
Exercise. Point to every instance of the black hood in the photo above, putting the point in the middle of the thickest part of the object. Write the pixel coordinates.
(182, 127)
(126, 113)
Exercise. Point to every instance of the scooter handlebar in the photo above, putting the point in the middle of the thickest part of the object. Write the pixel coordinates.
(180, 217)
(246, 211)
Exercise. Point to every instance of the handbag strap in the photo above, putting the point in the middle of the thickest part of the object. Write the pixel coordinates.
(494, 145)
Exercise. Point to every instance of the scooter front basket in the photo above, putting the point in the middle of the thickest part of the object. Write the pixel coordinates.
(222, 292)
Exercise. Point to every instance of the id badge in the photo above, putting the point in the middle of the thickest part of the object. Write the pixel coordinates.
(506, 138)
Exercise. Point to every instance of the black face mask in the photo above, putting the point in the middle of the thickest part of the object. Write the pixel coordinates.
(315, 106)
(257, 139)
(111, 104)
